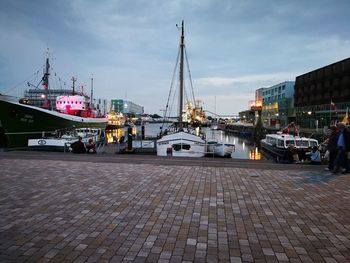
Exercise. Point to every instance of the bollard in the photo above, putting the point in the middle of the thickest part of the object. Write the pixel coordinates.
(129, 145)
(143, 132)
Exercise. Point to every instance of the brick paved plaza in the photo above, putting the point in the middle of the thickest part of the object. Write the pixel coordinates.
(64, 211)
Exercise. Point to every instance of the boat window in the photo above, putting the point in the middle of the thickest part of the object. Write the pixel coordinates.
(271, 140)
(280, 143)
(313, 143)
(178, 147)
(290, 142)
(301, 143)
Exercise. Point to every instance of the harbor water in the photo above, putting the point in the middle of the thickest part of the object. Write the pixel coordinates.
(244, 148)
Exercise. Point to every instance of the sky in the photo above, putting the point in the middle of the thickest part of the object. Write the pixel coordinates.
(130, 46)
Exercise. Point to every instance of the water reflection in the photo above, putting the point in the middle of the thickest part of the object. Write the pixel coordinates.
(255, 154)
(244, 149)
(114, 135)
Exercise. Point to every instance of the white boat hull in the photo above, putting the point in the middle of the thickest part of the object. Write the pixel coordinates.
(181, 144)
(221, 149)
(63, 143)
(50, 144)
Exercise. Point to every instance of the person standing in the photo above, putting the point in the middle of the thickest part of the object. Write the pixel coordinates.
(343, 147)
(332, 147)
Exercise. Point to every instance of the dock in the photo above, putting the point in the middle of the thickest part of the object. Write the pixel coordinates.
(63, 207)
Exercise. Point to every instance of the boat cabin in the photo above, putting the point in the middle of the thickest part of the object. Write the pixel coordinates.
(283, 140)
(75, 105)
(74, 102)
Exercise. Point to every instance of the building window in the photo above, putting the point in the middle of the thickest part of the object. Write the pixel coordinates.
(283, 87)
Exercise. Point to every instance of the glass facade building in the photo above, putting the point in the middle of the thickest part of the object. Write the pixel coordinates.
(277, 104)
(126, 107)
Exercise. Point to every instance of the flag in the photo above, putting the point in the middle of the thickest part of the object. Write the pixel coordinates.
(333, 107)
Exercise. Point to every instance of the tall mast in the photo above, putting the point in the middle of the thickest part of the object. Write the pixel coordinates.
(182, 47)
(92, 91)
(46, 83)
(73, 87)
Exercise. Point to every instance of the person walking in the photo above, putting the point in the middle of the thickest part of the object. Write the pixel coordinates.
(343, 147)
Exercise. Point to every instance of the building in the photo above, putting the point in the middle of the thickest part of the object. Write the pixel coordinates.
(247, 116)
(36, 97)
(100, 105)
(126, 107)
(256, 105)
(277, 104)
(322, 96)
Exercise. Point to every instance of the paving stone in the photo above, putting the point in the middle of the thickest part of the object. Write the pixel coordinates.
(60, 211)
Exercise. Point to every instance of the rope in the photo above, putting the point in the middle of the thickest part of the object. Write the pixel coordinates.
(171, 88)
(190, 77)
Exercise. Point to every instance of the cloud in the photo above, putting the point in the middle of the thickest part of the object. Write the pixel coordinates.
(234, 47)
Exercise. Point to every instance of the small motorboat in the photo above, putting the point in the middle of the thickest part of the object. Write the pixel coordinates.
(64, 138)
(220, 148)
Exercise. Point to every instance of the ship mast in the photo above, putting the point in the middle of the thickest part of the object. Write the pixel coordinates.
(182, 47)
(73, 87)
(46, 83)
(92, 92)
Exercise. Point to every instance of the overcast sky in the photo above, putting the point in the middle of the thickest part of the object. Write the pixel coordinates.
(130, 46)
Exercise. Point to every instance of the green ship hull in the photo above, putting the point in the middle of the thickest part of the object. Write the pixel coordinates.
(20, 122)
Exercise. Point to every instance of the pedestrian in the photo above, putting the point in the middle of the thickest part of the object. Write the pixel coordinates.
(78, 146)
(343, 147)
(287, 156)
(332, 147)
(91, 147)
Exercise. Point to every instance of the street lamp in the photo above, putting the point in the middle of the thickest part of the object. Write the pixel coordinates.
(310, 120)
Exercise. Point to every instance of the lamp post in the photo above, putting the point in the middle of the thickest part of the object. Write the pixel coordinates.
(310, 122)
(277, 123)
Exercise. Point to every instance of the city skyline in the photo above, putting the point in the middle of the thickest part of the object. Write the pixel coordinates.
(234, 47)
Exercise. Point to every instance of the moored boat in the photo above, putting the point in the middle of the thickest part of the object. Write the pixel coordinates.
(277, 144)
(63, 139)
(220, 148)
(22, 121)
(181, 142)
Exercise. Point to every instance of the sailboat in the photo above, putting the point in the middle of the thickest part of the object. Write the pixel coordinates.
(21, 121)
(181, 142)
